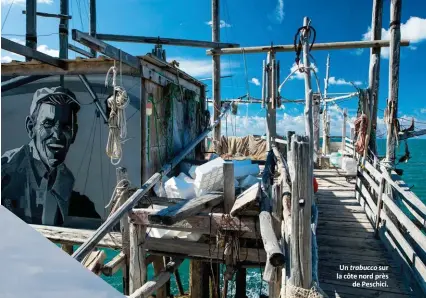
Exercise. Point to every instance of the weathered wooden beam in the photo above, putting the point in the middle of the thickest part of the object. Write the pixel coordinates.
(316, 124)
(31, 25)
(14, 47)
(134, 199)
(316, 47)
(271, 113)
(246, 199)
(181, 211)
(94, 261)
(92, 21)
(106, 49)
(374, 69)
(411, 134)
(270, 242)
(309, 124)
(68, 248)
(345, 117)
(201, 223)
(216, 72)
(228, 186)
(159, 280)
(198, 279)
(19, 81)
(302, 192)
(166, 41)
(114, 265)
(161, 289)
(394, 60)
(80, 51)
(137, 266)
(50, 15)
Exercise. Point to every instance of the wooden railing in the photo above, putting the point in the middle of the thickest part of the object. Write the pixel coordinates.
(383, 197)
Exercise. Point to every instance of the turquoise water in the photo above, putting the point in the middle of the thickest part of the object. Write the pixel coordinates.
(413, 175)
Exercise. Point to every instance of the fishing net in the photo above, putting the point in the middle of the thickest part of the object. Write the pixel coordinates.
(296, 292)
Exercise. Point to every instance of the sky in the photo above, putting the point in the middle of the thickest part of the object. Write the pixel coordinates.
(253, 23)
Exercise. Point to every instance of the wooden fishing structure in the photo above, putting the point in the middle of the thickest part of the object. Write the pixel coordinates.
(299, 239)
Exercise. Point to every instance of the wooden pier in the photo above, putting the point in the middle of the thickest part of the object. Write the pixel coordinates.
(304, 243)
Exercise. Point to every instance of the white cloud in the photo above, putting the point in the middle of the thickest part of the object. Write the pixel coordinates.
(414, 30)
(22, 2)
(279, 11)
(201, 67)
(255, 81)
(300, 75)
(222, 24)
(6, 59)
(45, 49)
(17, 40)
(423, 111)
(334, 81)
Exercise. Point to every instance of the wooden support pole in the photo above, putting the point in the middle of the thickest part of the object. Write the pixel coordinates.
(68, 248)
(158, 265)
(114, 265)
(379, 206)
(270, 242)
(316, 123)
(394, 60)
(241, 282)
(31, 26)
(271, 113)
(50, 15)
(264, 83)
(165, 41)
(302, 192)
(122, 193)
(325, 125)
(198, 279)
(374, 69)
(228, 186)
(345, 119)
(309, 125)
(159, 280)
(179, 283)
(92, 22)
(216, 73)
(341, 45)
(63, 34)
(137, 268)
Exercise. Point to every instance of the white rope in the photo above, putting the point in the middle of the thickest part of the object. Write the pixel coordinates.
(117, 118)
(119, 189)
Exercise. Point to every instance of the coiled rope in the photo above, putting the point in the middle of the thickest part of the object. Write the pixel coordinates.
(117, 117)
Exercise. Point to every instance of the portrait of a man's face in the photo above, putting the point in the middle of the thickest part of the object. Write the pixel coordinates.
(53, 129)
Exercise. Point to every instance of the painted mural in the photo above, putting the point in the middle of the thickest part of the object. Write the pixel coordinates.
(53, 165)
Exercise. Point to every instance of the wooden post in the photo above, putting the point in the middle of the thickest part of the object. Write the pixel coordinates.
(379, 206)
(241, 282)
(302, 192)
(63, 34)
(31, 25)
(92, 22)
(216, 73)
(264, 83)
(198, 279)
(325, 125)
(228, 186)
(345, 117)
(271, 113)
(179, 283)
(229, 199)
(309, 129)
(392, 108)
(137, 268)
(316, 124)
(68, 248)
(122, 183)
(158, 265)
(374, 70)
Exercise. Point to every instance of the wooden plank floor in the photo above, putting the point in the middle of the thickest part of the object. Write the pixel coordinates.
(345, 236)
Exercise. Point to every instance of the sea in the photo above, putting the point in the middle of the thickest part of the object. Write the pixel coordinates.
(250, 119)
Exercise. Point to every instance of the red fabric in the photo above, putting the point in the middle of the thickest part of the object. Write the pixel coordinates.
(315, 185)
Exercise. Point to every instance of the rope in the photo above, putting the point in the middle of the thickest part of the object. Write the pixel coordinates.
(121, 187)
(296, 292)
(117, 118)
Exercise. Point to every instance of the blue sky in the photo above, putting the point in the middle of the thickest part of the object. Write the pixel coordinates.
(252, 23)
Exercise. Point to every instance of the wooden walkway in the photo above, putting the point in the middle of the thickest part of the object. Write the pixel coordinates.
(345, 236)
